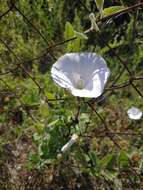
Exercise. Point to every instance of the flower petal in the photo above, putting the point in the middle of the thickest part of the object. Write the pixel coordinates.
(60, 78)
(134, 113)
(83, 93)
(83, 63)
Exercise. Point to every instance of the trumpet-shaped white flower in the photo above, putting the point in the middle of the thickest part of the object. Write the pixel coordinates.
(84, 74)
(134, 113)
(72, 141)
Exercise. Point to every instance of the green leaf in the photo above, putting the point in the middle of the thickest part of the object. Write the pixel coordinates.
(69, 31)
(34, 158)
(44, 111)
(39, 127)
(82, 157)
(81, 35)
(123, 159)
(108, 161)
(76, 45)
(99, 4)
(111, 10)
(73, 45)
(53, 123)
(50, 95)
(109, 175)
(130, 31)
(44, 146)
(94, 159)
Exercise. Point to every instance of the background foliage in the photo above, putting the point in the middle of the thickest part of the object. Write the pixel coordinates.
(35, 119)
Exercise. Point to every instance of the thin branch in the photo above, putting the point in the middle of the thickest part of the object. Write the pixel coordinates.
(119, 13)
(118, 76)
(5, 73)
(5, 13)
(123, 85)
(124, 63)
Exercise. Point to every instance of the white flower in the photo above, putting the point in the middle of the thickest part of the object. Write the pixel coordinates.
(84, 74)
(72, 141)
(134, 113)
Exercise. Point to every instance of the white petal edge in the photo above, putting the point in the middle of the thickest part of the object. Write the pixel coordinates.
(73, 62)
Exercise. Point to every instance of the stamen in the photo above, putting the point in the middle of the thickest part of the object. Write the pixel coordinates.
(78, 81)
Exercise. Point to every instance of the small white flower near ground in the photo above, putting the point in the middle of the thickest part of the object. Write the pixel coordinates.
(134, 113)
(72, 141)
(84, 74)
